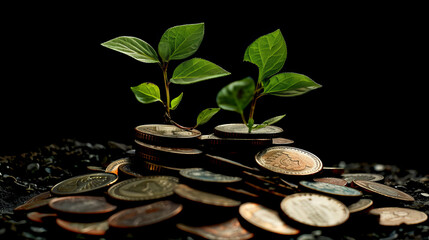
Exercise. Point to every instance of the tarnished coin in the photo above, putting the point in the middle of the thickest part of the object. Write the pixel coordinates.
(81, 205)
(92, 228)
(230, 229)
(373, 177)
(240, 130)
(37, 201)
(144, 188)
(331, 180)
(332, 189)
(289, 161)
(161, 134)
(84, 184)
(315, 209)
(145, 215)
(194, 195)
(360, 205)
(265, 218)
(383, 190)
(199, 174)
(114, 166)
(395, 216)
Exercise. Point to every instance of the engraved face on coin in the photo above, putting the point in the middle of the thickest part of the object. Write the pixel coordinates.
(144, 188)
(204, 197)
(315, 209)
(332, 189)
(239, 130)
(81, 205)
(395, 216)
(84, 183)
(360, 205)
(200, 174)
(289, 161)
(92, 228)
(230, 229)
(373, 177)
(265, 218)
(383, 190)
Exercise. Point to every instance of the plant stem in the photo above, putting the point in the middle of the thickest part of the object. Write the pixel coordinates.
(254, 99)
(167, 89)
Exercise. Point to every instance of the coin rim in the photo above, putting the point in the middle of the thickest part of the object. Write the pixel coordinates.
(407, 197)
(53, 189)
(302, 183)
(139, 131)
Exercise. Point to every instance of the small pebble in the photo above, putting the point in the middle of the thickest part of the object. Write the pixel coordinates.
(425, 194)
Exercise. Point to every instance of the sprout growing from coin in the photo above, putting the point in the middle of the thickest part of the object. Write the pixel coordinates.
(268, 53)
(177, 43)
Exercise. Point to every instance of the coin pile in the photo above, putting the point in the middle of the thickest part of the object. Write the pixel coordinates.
(182, 183)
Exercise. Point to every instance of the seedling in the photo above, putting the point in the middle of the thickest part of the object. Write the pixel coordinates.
(177, 43)
(268, 53)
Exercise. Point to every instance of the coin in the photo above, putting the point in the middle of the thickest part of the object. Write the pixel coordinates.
(239, 130)
(40, 217)
(144, 188)
(145, 215)
(349, 177)
(265, 218)
(81, 205)
(162, 151)
(84, 183)
(383, 190)
(219, 142)
(203, 175)
(395, 216)
(195, 195)
(162, 134)
(230, 229)
(114, 166)
(37, 201)
(161, 169)
(331, 180)
(93, 228)
(281, 141)
(129, 170)
(332, 189)
(289, 161)
(360, 205)
(315, 210)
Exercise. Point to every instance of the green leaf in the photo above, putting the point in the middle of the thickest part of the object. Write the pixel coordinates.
(133, 47)
(268, 53)
(289, 85)
(147, 92)
(175, 102)
(196, 70)
(269, 122)
(206, 115)
(236, 95)
(180, 42)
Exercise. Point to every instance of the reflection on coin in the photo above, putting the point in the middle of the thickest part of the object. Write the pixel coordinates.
(203, 175)
(84, 183)
(81, 205)
(315, 209)
(239, 130)
(333, 189)
(164, 134)
(360, 205)
(144, 188)
(265, 218)
(349, 177)
(331, 180)
(289, 161)
(383, 190)
(93, 228)
(114, 166)
(230, 229)
(395, 216)
(204, 197)
(145, 215)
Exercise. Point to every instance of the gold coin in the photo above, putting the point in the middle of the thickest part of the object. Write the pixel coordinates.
(383, 190)
(395, 216)
(92, 228)
(165, 134)
(289, 161)
(144, 188)
(114, 166)
(204, 197)
(84, 183)
(239, 130)
(360, 205)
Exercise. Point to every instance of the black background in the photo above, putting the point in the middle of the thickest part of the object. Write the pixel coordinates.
(59, 82)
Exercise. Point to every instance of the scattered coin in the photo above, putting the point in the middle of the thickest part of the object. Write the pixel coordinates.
(289, 161)
(161, 169)
(395, 216)
(84, 183)
(202, 175)
(81, 205)
(195, 195)
(144, 188)
(37, 201)
(360, 205)
(213, 140)
(349, 177)
(93, 228)
(315, 209)
(265, 218)
(145, 215)
(332, 189)
(281, 141)
(331, 180)
(383, 190)
(230, 229)
(130, 170)
(161, 134)
(39, 217)
(114, 166)
(239, 130)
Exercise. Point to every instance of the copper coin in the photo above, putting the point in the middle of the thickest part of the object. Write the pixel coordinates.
(265, 218)
(240, 130)
(195, 195)
(93, 228)
(81, 205)
(395, 216)
(144, 188)
(230, 229)
(349, 177)
(160, 151)
(37, 201)
(331, 189)
(289, 161)
(202, 175)
(165, 134)
(315, 209)
(331, 180)
(114, 166)
(281, 141)
(40, 217)
(145, 215)
(84, 183)
(360, 205)
(383, 190)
